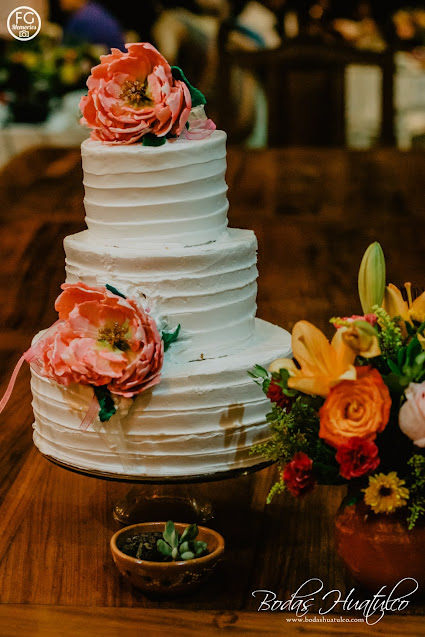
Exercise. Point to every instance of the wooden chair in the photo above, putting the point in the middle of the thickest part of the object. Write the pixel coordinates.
(304, 84)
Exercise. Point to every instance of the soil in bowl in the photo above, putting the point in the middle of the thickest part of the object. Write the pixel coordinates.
(143, 546)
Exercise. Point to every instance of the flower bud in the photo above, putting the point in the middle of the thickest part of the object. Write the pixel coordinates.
(372, 278)
(362, 338)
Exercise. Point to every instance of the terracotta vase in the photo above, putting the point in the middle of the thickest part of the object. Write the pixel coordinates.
(379, 550)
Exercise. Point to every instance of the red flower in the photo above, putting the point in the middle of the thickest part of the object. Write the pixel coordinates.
(276, 395)
(357, 457)
(298, 474)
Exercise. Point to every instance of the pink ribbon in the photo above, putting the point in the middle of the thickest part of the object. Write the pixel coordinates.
(199, 129)
(32, 356)
(91, 414)
(9, 390)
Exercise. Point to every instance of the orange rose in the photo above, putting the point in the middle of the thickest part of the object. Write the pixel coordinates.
(358, 407)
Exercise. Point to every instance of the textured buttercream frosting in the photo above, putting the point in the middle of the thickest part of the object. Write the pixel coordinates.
(202, 418)
(210, 290)
(157, 232)
(171, 193)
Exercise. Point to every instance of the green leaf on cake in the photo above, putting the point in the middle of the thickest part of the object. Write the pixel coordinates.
(114, 291)
(198, 99)
(170, 337)
(106, 403)
(152, 140)
(258, 372)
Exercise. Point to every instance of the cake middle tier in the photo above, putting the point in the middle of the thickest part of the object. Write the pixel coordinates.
(210, 290)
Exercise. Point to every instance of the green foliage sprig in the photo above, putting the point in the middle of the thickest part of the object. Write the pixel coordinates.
(278, 487)
(416, 489)
(297, 431)
(261, 377)
(390, 338)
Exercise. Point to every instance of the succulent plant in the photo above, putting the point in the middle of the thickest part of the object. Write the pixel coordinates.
(181, 547)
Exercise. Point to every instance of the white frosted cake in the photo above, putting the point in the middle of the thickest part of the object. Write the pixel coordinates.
(157, 232)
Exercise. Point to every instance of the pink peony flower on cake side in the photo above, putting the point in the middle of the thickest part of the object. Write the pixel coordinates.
(101, 339)
(134, 93)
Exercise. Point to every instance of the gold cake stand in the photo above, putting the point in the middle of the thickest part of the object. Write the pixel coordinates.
(156, 498)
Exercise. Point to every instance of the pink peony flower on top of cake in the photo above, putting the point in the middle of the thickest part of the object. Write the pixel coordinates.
(134, 93)
(101, 339)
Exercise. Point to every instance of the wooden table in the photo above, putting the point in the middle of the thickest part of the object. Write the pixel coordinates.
(314, 212)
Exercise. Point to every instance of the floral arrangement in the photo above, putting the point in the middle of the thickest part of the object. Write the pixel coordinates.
(34, 77)
(353, 410)
(137, 96)
(104, 340)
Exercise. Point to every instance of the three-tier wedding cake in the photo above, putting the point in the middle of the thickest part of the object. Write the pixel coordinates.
(157, 258)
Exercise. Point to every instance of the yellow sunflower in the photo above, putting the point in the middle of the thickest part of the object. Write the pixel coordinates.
(386, 493)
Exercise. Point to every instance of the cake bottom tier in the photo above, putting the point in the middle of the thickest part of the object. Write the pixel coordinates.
(202, 418)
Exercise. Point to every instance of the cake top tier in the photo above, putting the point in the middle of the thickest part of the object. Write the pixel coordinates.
(135, 158)
(154, 167)
(174, 194)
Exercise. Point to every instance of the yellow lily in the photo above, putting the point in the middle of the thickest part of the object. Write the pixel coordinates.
(409, 310)
(320, 364)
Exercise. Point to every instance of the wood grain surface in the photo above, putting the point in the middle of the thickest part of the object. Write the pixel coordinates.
(63, 621)
(314, 213)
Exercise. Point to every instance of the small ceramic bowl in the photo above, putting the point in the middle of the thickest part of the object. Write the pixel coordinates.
(166, 577)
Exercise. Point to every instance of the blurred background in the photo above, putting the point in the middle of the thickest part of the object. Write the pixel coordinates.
(275, 72)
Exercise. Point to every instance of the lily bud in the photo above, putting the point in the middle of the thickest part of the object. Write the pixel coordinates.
(362, 338)
(372, 278)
